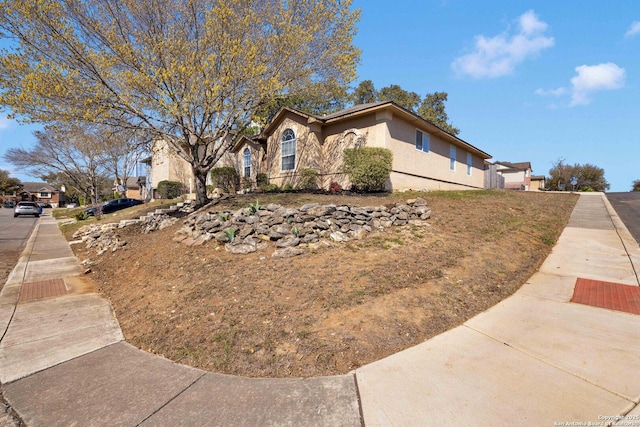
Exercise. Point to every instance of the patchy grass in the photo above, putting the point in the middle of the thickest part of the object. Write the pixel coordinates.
(338, 306)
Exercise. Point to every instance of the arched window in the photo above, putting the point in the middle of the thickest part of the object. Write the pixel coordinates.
(288, 150)
(246, 156)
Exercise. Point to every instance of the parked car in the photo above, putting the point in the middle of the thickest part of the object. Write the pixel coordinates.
(44, 205)
(27, 208)
(113, 205)
(9, 204)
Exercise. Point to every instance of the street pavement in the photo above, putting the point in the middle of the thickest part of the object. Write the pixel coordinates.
(535, 359)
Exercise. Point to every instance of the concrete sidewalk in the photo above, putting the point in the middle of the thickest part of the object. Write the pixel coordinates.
(534, 359)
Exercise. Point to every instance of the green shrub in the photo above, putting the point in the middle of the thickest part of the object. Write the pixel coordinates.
(225, 178)
(81, 216)
(271, 188)
(169, 189)
(262, 180)
(368, 167)
(287, 187)
(308, 179)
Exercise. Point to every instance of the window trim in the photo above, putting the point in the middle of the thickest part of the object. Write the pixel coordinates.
(246, 167)
(424, 136)
(293, 142)
(452, 157)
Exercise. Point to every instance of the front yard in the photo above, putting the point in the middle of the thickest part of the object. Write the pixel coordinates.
(338, 306)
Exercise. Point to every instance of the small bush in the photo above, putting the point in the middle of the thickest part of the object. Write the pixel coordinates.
(169, 189)
(308, 179)
(262, 180)
(81, 216)
(368, 167)
(225, 178)
(287, 187)
(334, 187)
(271, 188)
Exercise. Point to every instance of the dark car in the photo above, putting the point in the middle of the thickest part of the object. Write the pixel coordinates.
(113, 205)
(27, 208)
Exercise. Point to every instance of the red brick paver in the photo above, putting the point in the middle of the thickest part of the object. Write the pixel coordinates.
(44, 289)
(613, 296)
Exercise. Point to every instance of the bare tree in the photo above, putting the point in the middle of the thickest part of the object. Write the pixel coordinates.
(72, 152)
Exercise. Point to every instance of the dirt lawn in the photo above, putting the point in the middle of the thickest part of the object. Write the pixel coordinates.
(337, 307)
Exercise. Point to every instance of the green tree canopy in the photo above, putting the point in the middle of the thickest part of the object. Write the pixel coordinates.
(191, 72)
(8, 184)
(589, 177)
(635, 185)
(431, 107)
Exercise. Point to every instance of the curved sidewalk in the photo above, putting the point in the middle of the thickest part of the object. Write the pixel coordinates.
(535, 358)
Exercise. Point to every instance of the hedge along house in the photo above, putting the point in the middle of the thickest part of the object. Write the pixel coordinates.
(425, 157)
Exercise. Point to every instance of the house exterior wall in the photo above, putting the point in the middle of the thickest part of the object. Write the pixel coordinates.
(236, 160)
(365, 131)
(320, 145)
(168, 166)
(416, 169)
(308, 150)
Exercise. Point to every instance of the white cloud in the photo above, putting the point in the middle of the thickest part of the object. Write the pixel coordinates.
(633, 30)
(498, 56)
(552, 92)
(593, 78)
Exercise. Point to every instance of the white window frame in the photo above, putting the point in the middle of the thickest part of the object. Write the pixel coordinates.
(423, 139)
(452, 157)
(246, 159)
(469, 164)
(286, 139)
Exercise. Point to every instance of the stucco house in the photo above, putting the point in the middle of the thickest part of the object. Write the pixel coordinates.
(517, 176)
(424, 156)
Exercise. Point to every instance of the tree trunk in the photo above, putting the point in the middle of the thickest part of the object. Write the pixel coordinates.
(201, 186)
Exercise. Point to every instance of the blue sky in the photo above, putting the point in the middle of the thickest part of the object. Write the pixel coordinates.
(531, 81)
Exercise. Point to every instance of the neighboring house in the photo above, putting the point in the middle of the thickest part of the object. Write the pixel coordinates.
(165, 165)
(40, 192)
(517, 176)
(424, 156)
(135, 188)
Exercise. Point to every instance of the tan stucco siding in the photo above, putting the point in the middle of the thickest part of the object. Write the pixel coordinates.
(364, 131)
(168, 166)
(308, 151)
(418, 169)
(236, 160)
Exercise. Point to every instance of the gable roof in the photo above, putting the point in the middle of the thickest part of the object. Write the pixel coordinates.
(361, 109)
(519, 166)
(37, 187)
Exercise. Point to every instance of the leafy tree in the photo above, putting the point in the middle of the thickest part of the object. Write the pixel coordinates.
(364, 93)
(432, 109)
(635, 186)
(8, 184)
(408, 100)
(589, 177)
(191, 72)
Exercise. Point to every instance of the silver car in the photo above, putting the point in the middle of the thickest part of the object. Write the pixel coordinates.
(27, 208)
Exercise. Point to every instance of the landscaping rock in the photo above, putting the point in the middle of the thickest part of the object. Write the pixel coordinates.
(288, 252)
